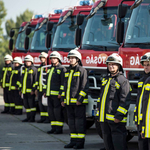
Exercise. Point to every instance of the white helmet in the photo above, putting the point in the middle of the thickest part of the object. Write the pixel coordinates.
(17, 60)
(8, 57)
(75, 53)
(55, 54)
(145, 57)
(28, 58)
(114, 58)
(43, 54)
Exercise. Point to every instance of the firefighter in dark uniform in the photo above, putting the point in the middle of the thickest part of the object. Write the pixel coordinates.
(43, 109)
(14, 85)
(29, 83)
(113, 105)
(53, 90)
(142, 143)
(75, 99)
(6, 73)
(144, 126)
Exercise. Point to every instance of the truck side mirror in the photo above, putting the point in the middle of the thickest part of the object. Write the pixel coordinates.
(48, 40)
(80, 19)
(49, 26)
(78, 37)
(28, 31)
(120, 32)
(11, 34)
(122, 10)
(26, 43)
(11, 41)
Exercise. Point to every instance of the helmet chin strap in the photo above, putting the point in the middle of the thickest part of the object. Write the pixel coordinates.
(113, 73)
(75, 63)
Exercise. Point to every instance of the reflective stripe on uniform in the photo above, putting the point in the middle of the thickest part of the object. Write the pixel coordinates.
(82, 93)
(4, 77)
(81, 135)
(43, 113)
(74, 100)
(54, 92)
(73, 135)
(58, 71)
(147, 121)
(49, 81)
(57, 123)
(111, 117)
(28, 110)
(28, 90)
(33, 109)
(103, 101)
(140, 105)
(10, 80)
(117, 85)
(12, 104)
(61, 87)
(135, 109)
(98, 100)
(7, 104)
(63, 94)
(147, 87)
(135, 119)
(140, 84)
(68, 86)
(18, 107)
(24, 81)
(76, 74)
(122, 110)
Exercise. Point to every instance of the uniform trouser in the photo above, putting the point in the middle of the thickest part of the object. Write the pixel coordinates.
(77, 123)
(142, 143)
(149, 144)
(12, 101)
(43, 109)
(55, 112)
(29, 104)
(114, 135)
(6, 99)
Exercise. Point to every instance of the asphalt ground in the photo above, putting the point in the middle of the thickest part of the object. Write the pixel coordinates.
(16, 135)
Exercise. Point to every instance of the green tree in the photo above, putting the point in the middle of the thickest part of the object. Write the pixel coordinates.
(24, 17)
(2, 39)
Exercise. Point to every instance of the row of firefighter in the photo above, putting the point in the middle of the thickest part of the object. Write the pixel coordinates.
(67, 89)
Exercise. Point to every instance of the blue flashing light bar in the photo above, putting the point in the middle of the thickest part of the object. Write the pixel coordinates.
(83, 3)
(58, 11)
(38, 16)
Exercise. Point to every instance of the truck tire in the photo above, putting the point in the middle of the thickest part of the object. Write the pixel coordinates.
(89, 123)
(99, 131)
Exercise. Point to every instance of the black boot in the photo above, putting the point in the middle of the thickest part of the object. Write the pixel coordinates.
(25, 120)
(58, 132)
(46, 120)
(40, 121)
(70, 145)
(51, 131)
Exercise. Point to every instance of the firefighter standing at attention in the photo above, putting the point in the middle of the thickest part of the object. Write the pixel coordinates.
(113, 105)
(144, 127)
(43, 109)
(6, 73)
(29, 83)
(145, 59)
(14, 85)
(75, 99)
(53, 90)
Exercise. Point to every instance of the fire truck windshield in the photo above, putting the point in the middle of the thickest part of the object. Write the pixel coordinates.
(38, 41)
(138, 32)
(100, 31)
(65, 35)
(21, 38)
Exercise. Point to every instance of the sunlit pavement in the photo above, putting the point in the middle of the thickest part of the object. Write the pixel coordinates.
(16, 135)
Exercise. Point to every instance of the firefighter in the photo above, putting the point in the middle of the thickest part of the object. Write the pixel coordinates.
(53, 90)
(43, 109)
(14, 85)
(6, 73)
(29, 83)
(142, 143)
(113, 105)
(144, 126)
(75, 99)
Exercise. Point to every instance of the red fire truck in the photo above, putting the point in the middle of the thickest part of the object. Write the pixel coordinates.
(19, 49)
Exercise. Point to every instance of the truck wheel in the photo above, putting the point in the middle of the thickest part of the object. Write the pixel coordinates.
(89, 123)
(98, 128)
(129, 136)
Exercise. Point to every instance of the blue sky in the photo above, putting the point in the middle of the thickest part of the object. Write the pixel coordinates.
(16, 7)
